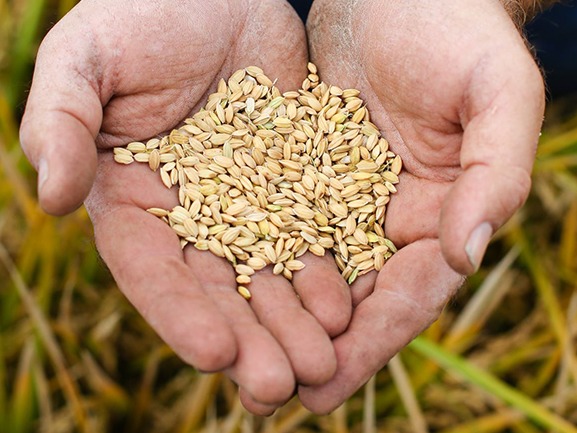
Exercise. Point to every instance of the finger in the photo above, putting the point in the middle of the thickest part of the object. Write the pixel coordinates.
(62, 118)
(255, 407)
(145, 258)
(402, 305)
(261, 368)
(502, 121)
(259, 45)
(324, 292)
(303, 339)
(362, 287)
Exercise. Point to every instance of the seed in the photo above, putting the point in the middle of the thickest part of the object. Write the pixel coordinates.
(304, 212)
(317, 250)
(244, 292)
(264, 80)
(287, 274)
(223, 161)
(361, 236)
(396, 165)
(243, 279)
(158, 211)
(215, 247)
(270, 253)
(123, 158)
(379, 261)
(278, 269)
(244, 270)
(381, 189)
(391, 177)
(282, 122)
(230, 235)
(266, 177)
(256, 263)
(154, 160)
(136, 147)
(353, 276)
(390, 186)
(294, 265)
(236, 208)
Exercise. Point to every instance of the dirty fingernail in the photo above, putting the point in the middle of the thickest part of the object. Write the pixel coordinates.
(477, 244)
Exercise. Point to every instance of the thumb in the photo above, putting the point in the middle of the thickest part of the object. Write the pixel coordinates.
(62, 118)
(502, 120)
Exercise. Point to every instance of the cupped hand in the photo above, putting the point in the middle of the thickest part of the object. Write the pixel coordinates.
(457, 94)
(113, 72)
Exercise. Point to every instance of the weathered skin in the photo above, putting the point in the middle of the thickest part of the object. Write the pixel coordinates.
(452, 86)
(111, 72)
(459, 97)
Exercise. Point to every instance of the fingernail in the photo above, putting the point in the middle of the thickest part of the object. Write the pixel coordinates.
(42, 173)
(477, 244)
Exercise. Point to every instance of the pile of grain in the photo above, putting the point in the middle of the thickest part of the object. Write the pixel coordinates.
(264, 177)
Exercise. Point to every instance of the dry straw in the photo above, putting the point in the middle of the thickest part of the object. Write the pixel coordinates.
(265, 177)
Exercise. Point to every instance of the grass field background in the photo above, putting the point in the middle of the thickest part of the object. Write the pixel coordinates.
(76, 357)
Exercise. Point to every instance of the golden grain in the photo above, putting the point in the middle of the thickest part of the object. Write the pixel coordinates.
(263, 177)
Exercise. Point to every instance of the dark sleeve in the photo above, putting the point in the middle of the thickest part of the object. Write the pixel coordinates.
(302, 7)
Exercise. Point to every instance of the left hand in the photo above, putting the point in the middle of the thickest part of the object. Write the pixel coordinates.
(111, 72)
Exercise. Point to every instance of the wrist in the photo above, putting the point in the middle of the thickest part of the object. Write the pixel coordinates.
(523, 11)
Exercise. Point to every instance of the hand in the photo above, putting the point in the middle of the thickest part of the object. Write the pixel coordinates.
(113, 72)
(458, 96)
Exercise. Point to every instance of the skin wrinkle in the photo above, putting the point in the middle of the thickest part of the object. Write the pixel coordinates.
(92, 71)
(478, 112)
(519, 184)
(420, 165)
(339, 24)
(241, 25)
(389, 328)
(430, 301)
(82, 77)
(175, 107)
(472, 108)
(251, 20)
(106, 78)
(396, 138)
(398, 220)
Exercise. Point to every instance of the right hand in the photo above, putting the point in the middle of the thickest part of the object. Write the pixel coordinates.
(113, 72)
(457, 95)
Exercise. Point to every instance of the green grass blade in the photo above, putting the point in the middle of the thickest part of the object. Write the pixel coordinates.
(24, 46)
(495, 422)
(406, 391)
(67, 383)
(493, 385)
(548, 293)
(65, 5)
(3, 383)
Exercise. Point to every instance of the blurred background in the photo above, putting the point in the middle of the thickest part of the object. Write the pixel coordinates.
(76, 357)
